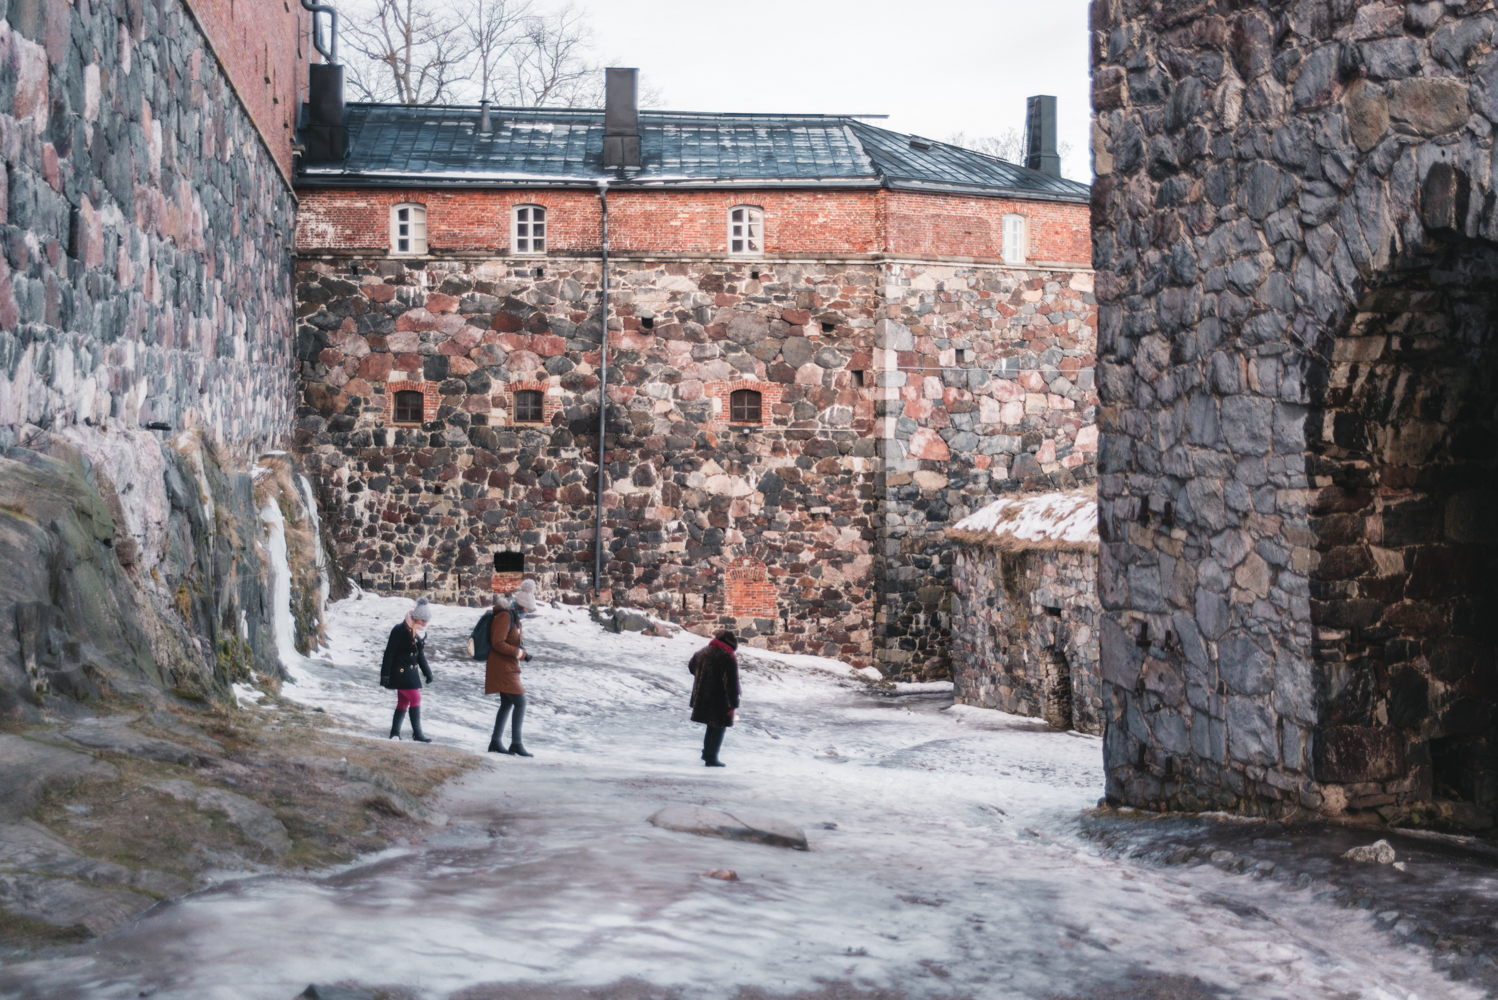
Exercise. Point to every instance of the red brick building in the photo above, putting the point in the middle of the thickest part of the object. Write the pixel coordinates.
(825, 341)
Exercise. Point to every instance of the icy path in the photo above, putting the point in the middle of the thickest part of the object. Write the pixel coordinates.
(945, 860)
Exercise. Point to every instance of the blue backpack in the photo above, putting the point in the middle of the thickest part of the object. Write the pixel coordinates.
(478, 642)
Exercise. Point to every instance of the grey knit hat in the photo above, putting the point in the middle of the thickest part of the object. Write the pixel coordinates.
(422, 612)
(525, 596)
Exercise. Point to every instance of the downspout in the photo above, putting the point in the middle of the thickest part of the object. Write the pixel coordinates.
(603, 390)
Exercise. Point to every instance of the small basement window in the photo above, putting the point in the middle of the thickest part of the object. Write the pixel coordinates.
(744, 407)
(408, 229)
(746, 229)
(528, 229)
(1016, 238)
(528, 406)
(509, 562)
(409, 407)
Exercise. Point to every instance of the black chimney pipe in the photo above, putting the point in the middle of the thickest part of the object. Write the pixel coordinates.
(324, 137)
(621, 118)
(1040, 136)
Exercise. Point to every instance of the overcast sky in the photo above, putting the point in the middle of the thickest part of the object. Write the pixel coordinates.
(934, 66)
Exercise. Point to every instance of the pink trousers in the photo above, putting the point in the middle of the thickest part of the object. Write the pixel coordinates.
(407, 698)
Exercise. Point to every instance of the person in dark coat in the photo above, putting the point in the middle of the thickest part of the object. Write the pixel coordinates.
(502, 666)
(404, 666)
(715, 691)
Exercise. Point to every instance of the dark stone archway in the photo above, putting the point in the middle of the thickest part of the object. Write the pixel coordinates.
(1295, 232)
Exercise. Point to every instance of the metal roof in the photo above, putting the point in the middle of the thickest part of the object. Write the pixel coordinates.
(392, 144)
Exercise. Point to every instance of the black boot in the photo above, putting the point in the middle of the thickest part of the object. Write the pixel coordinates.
(499, 727)
(712, 742)
(516, 747)
(396, 723)
(416, 733)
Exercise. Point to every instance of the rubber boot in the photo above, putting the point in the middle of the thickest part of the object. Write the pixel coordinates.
(499, 727)
(396, 723)
(516, 747)
(416, 733)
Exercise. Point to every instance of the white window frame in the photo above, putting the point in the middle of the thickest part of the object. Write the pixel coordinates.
(1015, 239)
(529, 237)
(412, 228)
(746, 226)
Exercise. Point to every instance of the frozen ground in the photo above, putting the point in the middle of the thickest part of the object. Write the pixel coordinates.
(950, 856)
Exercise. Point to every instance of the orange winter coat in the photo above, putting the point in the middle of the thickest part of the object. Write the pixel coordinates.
(502, 666)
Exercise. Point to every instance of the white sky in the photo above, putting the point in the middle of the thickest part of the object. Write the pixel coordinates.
(934, 66)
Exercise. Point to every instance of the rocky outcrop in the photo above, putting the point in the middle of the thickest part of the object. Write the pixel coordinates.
(138, 561)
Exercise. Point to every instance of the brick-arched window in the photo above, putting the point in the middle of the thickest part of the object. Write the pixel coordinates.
(528, 229)
(529, 406)
(746, 231)
(745, 407)
(409, 406)
(408, 228)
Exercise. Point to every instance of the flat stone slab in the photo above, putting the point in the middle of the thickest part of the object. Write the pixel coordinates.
(253, 819)
(116, 735)
(28, 768)
(63, 902)
(739, 825)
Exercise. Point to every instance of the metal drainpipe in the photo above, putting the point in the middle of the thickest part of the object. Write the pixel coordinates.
(603, 386)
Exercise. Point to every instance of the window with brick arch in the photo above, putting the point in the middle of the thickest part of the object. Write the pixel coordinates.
(409, 407)
(746, 231)
(744, 407)
(528, 405)
(528, 229)
(408, 228)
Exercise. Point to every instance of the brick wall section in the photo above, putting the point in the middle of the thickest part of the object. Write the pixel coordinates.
(146, 275)
(750, 594)
(265, 48)
(696, 222)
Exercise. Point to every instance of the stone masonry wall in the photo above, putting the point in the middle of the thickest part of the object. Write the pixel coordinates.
(146, 273)
(690, 497)
(1015, 617)
(1292, 217)
(984, 385)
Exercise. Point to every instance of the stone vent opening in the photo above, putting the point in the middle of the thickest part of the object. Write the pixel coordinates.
(509, 562)
(1404, 461)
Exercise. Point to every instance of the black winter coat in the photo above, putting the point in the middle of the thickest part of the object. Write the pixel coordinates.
(404, 655)
(716, 688)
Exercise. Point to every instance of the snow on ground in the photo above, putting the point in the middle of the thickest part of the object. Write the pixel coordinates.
(946, 861)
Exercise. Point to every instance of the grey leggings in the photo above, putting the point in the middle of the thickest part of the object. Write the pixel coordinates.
(506, 702)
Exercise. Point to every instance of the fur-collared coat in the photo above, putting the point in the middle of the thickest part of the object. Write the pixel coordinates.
(715, 690)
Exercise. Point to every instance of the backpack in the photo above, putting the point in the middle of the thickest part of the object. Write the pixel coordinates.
(478, 642)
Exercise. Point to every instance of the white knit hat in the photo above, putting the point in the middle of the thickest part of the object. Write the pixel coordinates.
(422, 612)
(525, 596)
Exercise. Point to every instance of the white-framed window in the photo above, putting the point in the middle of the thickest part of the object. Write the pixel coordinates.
(408, 228)
(528, 229)
(1016, 239)
(746, 231)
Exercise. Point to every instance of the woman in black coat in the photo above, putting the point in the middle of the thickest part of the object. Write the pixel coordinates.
(405, 654)
(715, 691)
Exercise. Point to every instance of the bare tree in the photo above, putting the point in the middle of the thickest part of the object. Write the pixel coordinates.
(406, 51)
(1008, 145)
(495, 28)
(549, 65)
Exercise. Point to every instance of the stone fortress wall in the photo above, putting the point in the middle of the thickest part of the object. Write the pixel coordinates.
(874, 435)
(1294, 216)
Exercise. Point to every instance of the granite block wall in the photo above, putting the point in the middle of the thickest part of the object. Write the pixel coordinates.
(873, 431)
(1293, 222)
(1024, 634)
(146, 273)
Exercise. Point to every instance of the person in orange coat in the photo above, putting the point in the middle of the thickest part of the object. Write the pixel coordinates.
(502, 666)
